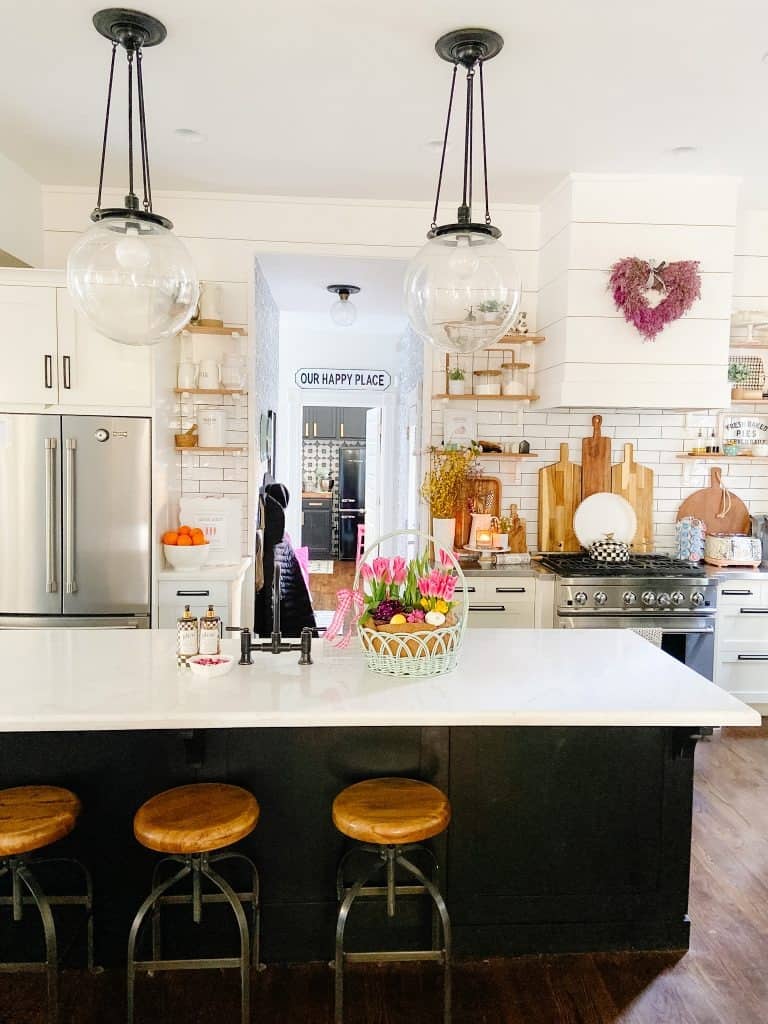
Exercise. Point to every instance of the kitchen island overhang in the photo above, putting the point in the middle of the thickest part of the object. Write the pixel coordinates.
(571, 784)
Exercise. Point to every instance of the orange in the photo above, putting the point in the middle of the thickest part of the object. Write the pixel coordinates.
(184, 540)
(197, 532)
(170, 537)
(185, 530)
(198, 538)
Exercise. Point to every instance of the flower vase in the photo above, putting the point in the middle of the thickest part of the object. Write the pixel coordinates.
(456, 387)
(444, 531)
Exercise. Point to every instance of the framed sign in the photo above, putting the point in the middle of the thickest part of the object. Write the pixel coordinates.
(459, 427)
(743, 428)
(342, 379)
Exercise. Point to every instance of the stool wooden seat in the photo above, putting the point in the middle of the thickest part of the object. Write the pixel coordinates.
(391, 812)
(35, 816)
(199, 818)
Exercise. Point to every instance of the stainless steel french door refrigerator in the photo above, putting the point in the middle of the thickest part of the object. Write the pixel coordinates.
(75, 499)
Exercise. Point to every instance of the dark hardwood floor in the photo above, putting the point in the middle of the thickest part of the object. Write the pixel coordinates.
(723, 979)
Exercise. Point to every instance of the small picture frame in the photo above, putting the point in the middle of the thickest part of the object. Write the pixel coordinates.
(459, 427)
(744, 429)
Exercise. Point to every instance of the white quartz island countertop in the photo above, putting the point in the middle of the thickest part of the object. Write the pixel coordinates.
(99, 679)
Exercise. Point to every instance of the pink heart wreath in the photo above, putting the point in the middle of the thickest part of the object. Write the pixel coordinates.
(631, 280)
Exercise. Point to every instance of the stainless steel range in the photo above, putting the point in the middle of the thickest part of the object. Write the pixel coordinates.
(648, 592)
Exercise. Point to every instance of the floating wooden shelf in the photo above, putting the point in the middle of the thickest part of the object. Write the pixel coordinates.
(749, 401)
(515, 456)
(757, 345)
(726, 458)
(198, 329)
(224, 449)
(209, 391)
(521, 339)
(489, 398)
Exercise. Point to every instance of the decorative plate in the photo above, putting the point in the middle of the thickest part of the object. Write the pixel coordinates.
(601, 514)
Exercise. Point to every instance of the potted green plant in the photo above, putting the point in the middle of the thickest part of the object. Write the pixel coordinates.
(456, 381)
(739, 374)
(492, 311)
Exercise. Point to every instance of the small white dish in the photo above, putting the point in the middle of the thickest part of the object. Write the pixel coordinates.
(602, 514)
(200, 664)
(189, 556)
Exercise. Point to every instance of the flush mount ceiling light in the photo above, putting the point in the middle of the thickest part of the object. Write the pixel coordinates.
(343, 312)
(129, 274)
(462, 289)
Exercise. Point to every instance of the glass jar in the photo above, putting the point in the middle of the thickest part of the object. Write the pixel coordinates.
(486, 382)
(512, 379)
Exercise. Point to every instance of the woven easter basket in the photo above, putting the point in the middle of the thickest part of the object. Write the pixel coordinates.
(413, 649)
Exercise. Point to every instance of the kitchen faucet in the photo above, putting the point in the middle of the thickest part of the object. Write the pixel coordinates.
(275, 644)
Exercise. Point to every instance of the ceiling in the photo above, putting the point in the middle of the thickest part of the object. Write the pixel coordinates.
(298, 285)
(343, 99)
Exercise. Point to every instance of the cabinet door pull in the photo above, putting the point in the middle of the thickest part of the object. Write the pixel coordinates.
(753, 611)
(48, 371)
(466, 590)
(314, 504)
(314, 430)
(306, 429)
(510, 590)
(341, 429)
(66, 368)
(737, 593)
(752, 657)
(193, 593)
(487, 607)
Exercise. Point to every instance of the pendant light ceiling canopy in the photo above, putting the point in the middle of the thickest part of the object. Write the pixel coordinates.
(343, 312)
(129, 274)
(462, 289)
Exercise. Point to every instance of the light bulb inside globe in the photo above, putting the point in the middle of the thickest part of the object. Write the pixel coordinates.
(132, 253)
(343, 312)
(132, 278)
(462, 290)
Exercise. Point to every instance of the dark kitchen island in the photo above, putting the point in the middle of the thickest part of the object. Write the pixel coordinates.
(567, 756)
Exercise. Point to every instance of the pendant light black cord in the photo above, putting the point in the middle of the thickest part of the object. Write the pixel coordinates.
(485, 150)
(468, 143)
(106, 126)
(445, 146)
(143, 137)
(130, 123)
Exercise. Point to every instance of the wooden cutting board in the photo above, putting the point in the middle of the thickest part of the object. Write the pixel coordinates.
(720, 510)
(559, 494)
(635, 483)
(484, 496)
(518, 543)
(595, 461)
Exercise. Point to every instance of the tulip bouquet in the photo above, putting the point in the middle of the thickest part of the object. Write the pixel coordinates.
(408, 595)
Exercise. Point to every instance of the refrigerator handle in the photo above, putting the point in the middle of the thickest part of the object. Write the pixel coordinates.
(69, 536)
(48, 371)
(51, 583)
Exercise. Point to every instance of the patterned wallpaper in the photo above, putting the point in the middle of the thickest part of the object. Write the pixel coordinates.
(321, 458)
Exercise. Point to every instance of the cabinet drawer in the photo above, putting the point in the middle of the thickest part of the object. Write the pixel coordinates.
(193, 592)
(497, 615)
(745, 674)
(514, 591)
(743, 622)
(743, 593)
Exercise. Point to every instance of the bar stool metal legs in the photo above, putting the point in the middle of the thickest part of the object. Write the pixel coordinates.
(199, 867)
(23, 880)
(389, 859)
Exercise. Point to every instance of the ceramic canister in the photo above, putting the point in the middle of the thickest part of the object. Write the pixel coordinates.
(211, 426)
(691, 534)
(208, 377)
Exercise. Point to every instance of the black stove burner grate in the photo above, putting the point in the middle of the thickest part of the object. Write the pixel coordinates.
(658, 566)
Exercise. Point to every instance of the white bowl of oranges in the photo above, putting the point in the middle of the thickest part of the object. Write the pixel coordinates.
(185, 547)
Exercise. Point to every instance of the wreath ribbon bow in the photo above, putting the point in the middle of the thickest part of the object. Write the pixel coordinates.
(655, 279)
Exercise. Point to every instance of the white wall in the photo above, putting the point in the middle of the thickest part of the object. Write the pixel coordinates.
(21, 214)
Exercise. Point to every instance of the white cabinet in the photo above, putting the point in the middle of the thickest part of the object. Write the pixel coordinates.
(94, 370)
(741, 657)
(220, 586)
(51, 356)
(501, 602)
(28, 345)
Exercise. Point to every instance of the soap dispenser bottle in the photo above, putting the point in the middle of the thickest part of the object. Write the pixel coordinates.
(210, 631)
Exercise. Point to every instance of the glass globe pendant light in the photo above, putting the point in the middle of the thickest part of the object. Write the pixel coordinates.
(129, 275)
(343, 312)
(462, 289)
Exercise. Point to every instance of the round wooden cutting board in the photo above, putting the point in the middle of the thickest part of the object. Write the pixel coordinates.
(719, 509)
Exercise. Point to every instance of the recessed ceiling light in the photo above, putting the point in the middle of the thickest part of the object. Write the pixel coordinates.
(189, 134)
(683, 150)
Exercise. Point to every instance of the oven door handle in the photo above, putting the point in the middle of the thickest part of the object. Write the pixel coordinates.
(699, 630)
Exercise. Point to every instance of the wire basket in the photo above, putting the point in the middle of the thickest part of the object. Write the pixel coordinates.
(414, 649)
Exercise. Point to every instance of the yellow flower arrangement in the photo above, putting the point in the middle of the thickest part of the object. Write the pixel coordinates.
(446, 480)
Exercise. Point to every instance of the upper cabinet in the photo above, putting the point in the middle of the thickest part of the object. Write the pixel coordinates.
(330, 422)
(352, 423)
(51, 356)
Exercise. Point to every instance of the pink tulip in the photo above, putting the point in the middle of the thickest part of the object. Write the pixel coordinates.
(444, 557)
(423, 585)
(366, 572)
(399, 571)
(381, 570)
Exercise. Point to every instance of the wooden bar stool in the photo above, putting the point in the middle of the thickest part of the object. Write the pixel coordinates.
(31, 818)
(189, 823)
(390, 818)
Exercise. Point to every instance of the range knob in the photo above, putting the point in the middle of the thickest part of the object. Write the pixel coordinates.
(629, 598)
(678, 598)
(664, 601)
(600, 597)
(648, 598)
(580, 598)
(697, 599)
